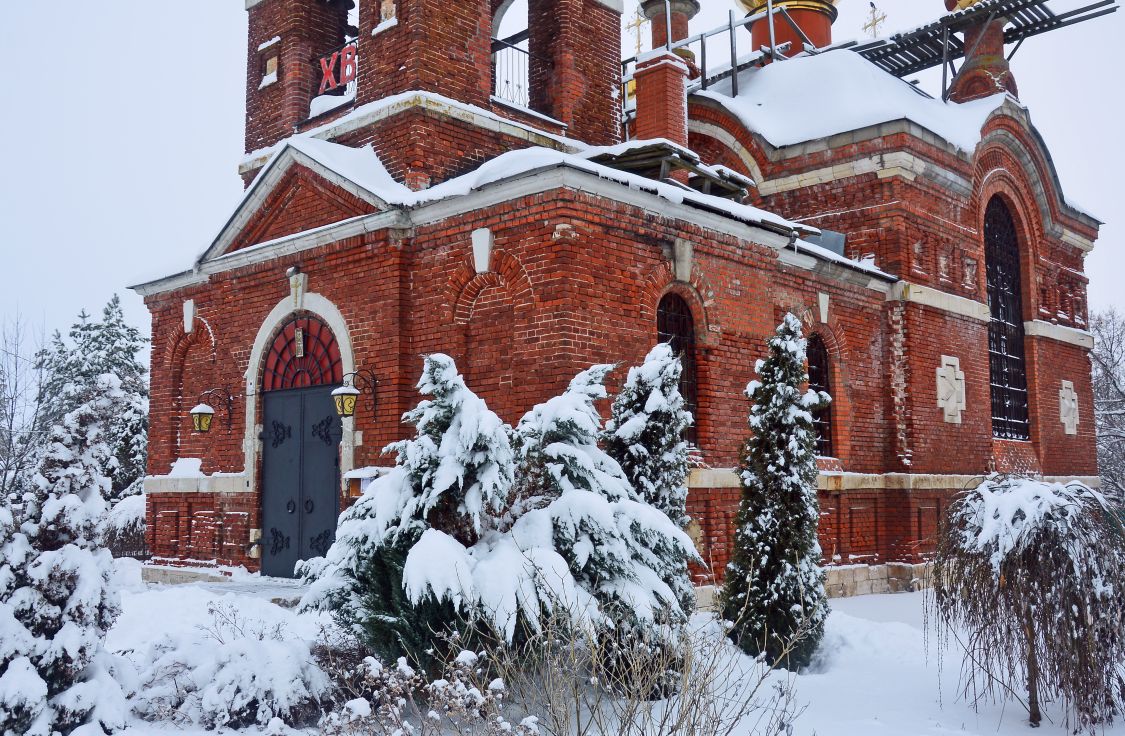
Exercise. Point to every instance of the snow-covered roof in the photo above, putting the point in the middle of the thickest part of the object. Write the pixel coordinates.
(361, 171)
(359, 165)
(812, 97)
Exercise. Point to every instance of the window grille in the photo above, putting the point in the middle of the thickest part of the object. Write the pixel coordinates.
(675, 325)
(820, 379)
(1007, 366)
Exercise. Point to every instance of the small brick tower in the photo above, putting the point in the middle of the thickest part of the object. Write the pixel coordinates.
(815, 18)
(439, 47)
(986, 70)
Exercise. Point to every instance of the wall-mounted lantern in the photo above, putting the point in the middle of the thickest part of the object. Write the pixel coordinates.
(347, 396)
(202, 414)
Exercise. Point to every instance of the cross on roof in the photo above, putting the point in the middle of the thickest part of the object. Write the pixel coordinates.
(639, 21)
(876, 19)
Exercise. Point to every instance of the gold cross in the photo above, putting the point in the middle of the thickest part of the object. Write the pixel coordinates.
(639, 21)
(877, 18)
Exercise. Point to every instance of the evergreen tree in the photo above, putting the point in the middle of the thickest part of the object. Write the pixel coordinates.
(774, 588)
(455, 475)
(56, 596)
(72, 367)
(645, 435)
(627, 554)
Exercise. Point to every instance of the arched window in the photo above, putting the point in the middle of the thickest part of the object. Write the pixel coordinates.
(304, 353)
(675, 325)
(1007, 368)
(820, 379)
(511, 58)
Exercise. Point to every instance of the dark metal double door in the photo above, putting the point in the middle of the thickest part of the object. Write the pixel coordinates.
(300, 477)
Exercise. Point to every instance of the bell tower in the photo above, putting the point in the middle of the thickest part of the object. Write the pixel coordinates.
(372, 49)
(282, 75)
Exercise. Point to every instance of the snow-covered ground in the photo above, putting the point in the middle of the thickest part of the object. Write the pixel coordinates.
(872, 675)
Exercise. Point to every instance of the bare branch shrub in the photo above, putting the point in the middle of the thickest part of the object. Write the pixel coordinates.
(692, 683)
(1025, 580)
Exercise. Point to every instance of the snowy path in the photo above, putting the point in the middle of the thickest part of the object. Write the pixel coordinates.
(872, 677)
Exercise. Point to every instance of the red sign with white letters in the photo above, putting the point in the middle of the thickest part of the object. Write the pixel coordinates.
(338, 68)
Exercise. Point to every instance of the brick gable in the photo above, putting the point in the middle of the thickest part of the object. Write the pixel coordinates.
(301, 201)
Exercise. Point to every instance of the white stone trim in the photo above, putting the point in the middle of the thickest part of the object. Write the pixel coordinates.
(1062, 333)
(528, 183)
(951, 389)
(728, 140)
(387, 107)
(327, 311)
(222, 483)
(1081, 243)
(1068, 408)
(189, 316)
(904, 291)
(841, 481)
(895, 163)
(482, 249)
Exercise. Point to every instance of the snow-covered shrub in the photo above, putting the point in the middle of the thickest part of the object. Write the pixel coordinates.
(624, 553)
(233, 674)
(774, 587)
(400, 700)
(449, 538)
(124, 529)
(447, 488)
(1031, 572)
(56, 595)
(645, 435)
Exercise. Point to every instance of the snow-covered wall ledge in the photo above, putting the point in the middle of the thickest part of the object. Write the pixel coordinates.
(838, 481)
(1062, 333)
(221, 483)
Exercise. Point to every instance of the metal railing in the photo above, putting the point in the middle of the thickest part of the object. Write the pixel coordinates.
(511, 70)
(719, 52)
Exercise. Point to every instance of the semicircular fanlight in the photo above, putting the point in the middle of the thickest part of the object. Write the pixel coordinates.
(304, 353)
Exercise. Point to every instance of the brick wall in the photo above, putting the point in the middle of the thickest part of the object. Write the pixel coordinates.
(575, 279)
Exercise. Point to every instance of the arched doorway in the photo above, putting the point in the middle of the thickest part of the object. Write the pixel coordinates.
(300, 444)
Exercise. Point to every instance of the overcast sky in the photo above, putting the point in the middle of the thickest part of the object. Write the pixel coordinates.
(122, 130)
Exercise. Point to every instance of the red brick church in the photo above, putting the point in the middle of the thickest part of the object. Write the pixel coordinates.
(532, 205)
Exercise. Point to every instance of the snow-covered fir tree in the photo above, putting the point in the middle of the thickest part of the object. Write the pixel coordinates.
(645, 435)
(451, 536)
(57, 600)
(774, 589)
(453, 477)
(71, 367)
(624, 552)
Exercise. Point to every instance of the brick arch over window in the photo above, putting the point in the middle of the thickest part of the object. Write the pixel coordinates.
(466, 284)
(1006, 359)
(303, 353)
(835, 340)
(675, 325)
(190, 358)
(698, 293)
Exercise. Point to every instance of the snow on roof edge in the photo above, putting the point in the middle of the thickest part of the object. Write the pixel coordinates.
(326, 129)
